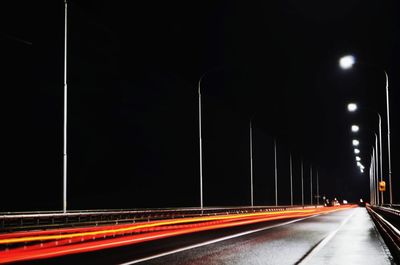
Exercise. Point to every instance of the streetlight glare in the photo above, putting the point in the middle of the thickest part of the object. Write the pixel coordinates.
(356, 142)
(352, 107)
(358, 158)
(356, 151)
(355, 128)
(346, 62)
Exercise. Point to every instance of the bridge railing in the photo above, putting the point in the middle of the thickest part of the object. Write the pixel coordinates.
(38, 220)
(387, 220)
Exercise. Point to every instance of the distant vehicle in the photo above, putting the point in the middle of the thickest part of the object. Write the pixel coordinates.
(344, 201)
(333, 202)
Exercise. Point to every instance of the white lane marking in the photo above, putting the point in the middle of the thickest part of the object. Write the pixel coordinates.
(325, 241)
(214, 241)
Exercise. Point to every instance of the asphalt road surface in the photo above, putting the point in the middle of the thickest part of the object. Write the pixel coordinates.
(342, 237)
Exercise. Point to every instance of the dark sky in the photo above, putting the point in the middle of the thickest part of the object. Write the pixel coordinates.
(133, 120)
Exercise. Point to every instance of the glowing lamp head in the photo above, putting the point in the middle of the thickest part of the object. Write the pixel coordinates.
(356, 142)
(358, 158)
(346, 62)
(356, 151)
(352, 107)
(355, 128)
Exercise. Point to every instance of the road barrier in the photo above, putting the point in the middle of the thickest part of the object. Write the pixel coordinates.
(387, 220)
(10, 222)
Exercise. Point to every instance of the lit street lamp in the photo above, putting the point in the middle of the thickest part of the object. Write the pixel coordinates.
(355, 142)
(355, 128)
(346, 62)
(351, 107)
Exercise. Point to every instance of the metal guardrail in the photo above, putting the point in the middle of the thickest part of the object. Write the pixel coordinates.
(387, 220)
(10, 222)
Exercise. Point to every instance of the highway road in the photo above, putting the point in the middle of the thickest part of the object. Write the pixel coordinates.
(342, 237)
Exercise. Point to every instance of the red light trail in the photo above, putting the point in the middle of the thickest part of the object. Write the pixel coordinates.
(58, 242)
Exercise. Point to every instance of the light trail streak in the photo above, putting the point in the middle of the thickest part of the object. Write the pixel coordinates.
(132, 228)
(76, 241)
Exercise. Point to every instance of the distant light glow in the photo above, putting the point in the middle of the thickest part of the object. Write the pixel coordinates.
(352, 107)
(356, 142)
(346, 62)
(362, 170)
(356, 151)
(358, 158)
(355, 128)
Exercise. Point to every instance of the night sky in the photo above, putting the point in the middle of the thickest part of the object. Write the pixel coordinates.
(133, 71)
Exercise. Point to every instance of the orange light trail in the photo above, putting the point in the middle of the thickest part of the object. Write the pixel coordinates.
(78, 240)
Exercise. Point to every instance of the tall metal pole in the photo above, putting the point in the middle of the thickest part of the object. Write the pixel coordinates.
(388, 129)
(302, 184)
(65, 113)
(291, 179)
(376, 198)
(370, 189)
(380, 154)
(276, 175)
(372, 179)
(377, 168)
(251, 165)
(200, 146)
(317, 188)
(371, 175)
(311, 185)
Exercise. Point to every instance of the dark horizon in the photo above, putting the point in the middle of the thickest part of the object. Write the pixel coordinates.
(133, 72)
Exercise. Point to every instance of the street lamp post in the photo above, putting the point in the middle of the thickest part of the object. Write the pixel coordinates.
(251, 165)
(388, 128)
(347, 62)
(200, 144)
(291, 179)
(311, 185)
(276, 174)
(302, 183)
(374, 193)
(317, 188)
(377, 168)
(370, 184)
(380, 154)
(65, 112)
(352, 107)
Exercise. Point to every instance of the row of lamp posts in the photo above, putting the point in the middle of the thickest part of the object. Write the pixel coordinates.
(252, 162)
(376, 166)
(345, 62)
